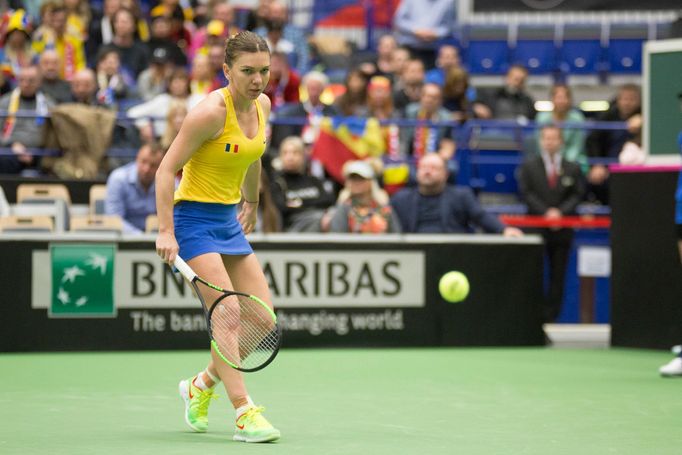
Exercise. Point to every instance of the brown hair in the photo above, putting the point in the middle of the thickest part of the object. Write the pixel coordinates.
(244, 41)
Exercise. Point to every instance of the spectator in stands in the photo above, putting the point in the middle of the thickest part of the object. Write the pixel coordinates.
(379, 63)
(84, 88)
(70, 48)
(16, 51)
(202, 81)
(434, 207)
(176, 114)
(355, 95)
(52, 84)
(552, 187)
(153, 80)
(399, 58)
(457, 94)
(573, 148)
(160, 39)
(257, 17)
(510, 102)
(284, 83)
(278, 19)
(131, 191)
(365, 210)
(421, 25)
(151, 115)
(380, 106)
(23, 133)
(300, 197)
(312, 109)
(221, 25)
(100, 29)
(216, 56)
(379, 102)
(112, 86)
(423, 139)
(133, 53)
(609, 143)
(448, 58)
(78, 18)
(408, 89)
(180, 20)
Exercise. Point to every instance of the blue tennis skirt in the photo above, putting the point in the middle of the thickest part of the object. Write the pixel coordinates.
(202, 227)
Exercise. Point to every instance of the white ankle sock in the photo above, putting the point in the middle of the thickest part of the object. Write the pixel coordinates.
(215, 379)
(242, 409)
(199, 382)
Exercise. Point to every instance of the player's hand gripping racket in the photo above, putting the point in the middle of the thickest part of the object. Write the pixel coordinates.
(243, 329)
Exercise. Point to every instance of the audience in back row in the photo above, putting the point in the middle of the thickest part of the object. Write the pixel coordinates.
(415, 75)
(131, 191)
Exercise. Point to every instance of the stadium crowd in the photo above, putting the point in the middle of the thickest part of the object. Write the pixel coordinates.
(128, 71)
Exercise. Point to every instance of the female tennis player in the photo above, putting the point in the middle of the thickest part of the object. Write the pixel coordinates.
(218, 147)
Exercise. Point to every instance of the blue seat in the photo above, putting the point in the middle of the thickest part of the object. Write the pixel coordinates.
(488, 56)
(625, 55)
(624, 51)
(486, 48)
(581, 56)
(539, 56)
(581, 51)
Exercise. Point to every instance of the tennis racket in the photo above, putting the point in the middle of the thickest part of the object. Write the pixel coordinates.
(243, 329)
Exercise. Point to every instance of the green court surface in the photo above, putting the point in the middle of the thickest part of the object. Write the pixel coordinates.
(370, 401)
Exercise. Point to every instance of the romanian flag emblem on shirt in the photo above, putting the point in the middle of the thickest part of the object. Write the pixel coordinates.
(232, 148)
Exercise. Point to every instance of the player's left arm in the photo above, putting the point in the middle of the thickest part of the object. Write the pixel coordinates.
(250, 189)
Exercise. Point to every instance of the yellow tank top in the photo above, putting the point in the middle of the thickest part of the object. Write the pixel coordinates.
(216, 171)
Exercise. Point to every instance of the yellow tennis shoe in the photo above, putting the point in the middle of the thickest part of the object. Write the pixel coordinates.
(196, 404)
(251, 426)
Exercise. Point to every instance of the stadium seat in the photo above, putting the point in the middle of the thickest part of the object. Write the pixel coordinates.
(487, 49)
(32, 192)
(37, 223)
(624, 54)
(52, 199)
(536, 49)
(581, 52)
(97, 223)
(98, 194)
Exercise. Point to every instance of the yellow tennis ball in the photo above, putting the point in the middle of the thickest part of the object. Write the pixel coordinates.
(454, 286)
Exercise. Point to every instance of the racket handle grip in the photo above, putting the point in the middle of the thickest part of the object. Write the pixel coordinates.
(185, 269)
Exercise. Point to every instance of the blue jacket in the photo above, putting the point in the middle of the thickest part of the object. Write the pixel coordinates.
(460, 211)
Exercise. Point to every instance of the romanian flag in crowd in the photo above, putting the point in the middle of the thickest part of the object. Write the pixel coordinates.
(396, 175)
(353, 13)
(345, 139)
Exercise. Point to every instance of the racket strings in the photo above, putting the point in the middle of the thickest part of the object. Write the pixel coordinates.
(244, 331)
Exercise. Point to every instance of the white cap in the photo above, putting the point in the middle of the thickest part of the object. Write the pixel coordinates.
(361, 168)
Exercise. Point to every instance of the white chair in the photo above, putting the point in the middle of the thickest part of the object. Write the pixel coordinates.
(51, 199)
(15, 224)
(97, 223)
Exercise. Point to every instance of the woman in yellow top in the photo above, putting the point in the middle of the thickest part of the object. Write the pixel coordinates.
(218, 147)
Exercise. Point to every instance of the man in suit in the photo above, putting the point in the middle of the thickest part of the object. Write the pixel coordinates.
(552, 187)
(435, 207)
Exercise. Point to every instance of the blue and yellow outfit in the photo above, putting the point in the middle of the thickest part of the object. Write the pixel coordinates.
(205, 211)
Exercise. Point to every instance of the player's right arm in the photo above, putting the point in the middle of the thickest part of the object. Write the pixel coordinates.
(201, 124)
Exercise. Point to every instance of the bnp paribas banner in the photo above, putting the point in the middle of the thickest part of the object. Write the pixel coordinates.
(82, 280)
(94, 280)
